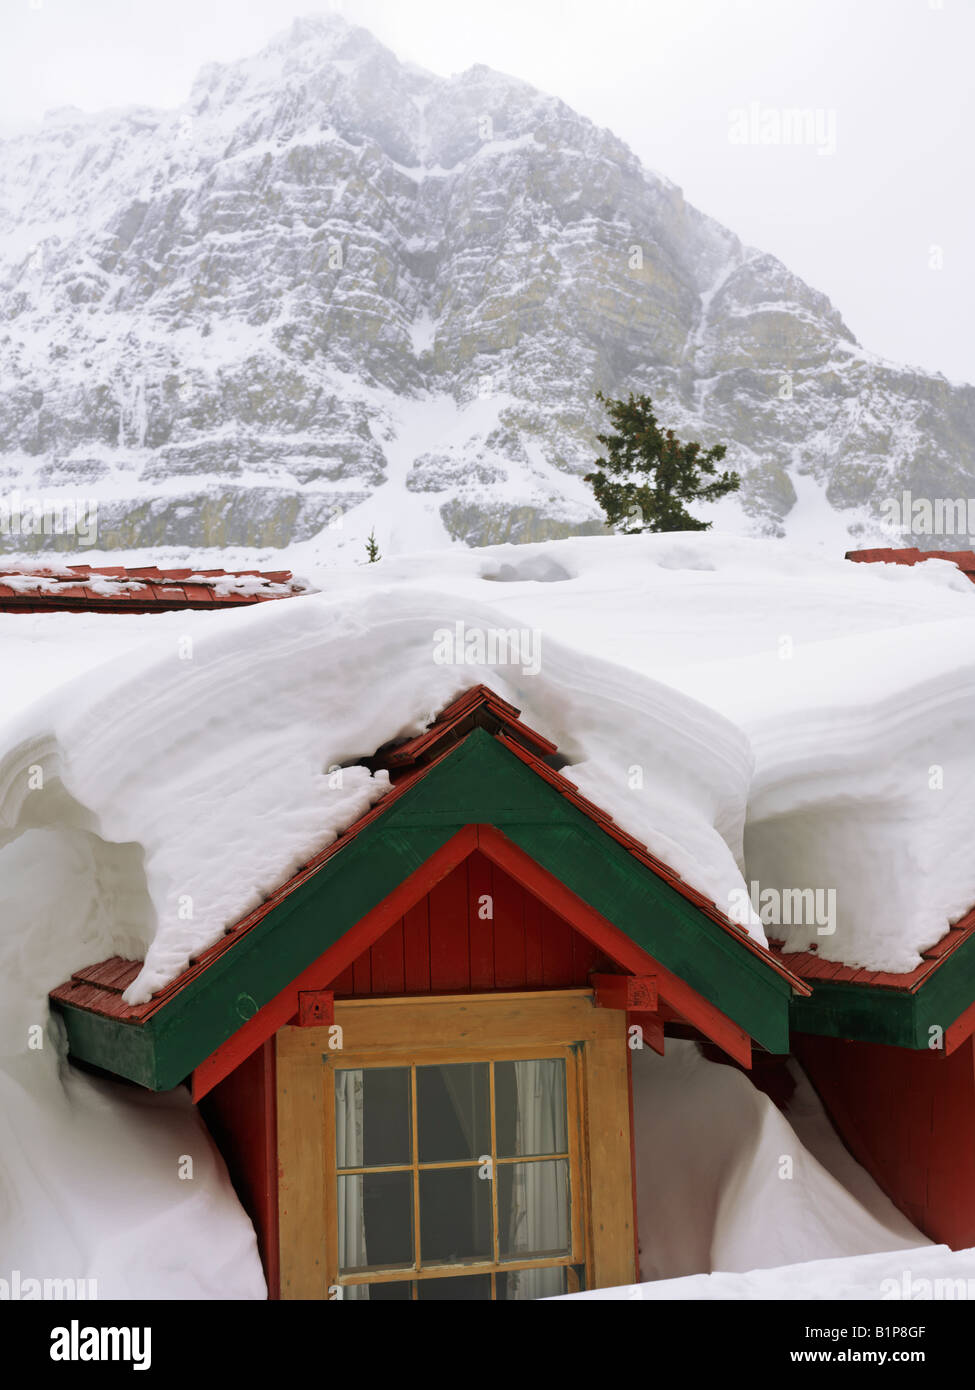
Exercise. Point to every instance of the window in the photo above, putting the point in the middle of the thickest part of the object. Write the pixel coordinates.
(462, 1173)
(464, 1147)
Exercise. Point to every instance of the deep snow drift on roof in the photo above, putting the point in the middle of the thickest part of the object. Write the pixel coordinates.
(208, 743)
(230, 766)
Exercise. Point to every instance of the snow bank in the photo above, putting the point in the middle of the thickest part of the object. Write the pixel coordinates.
(726, 1182)
(934, 1272)
(110, 1183)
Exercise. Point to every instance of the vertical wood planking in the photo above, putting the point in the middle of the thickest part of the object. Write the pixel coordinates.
(362, 974)
(509, 933)
(442, 944)
(909, 1118)
(388, 974)
(557, 971)
(344, 983)
(480, 886)
(534, 968)
(416, 948)
(449, 940)
(585, 956)
(240, 1114)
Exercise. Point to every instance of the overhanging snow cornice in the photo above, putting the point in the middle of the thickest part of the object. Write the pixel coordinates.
(485, 779)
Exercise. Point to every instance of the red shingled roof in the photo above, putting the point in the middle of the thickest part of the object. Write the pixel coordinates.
(964, 559)
(115, 589)
(808, 965)
(99, 987)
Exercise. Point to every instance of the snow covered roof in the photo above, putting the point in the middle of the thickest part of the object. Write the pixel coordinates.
(809, 965)
(750, 713)
(100, 989)
(114, 589)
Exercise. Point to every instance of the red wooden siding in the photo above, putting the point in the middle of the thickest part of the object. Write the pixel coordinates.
(240, 1114)
(909, 1118)
(445, 945)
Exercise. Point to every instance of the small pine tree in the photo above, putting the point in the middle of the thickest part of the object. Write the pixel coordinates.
(372, 548)
(667, 472)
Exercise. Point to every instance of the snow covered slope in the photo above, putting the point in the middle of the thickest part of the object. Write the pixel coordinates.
(725, 1181)
(332, 286)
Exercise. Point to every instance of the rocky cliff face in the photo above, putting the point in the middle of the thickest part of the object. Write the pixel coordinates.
(336, 286)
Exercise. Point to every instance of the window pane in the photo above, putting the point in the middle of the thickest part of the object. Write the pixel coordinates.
(375, 1220)
(467, 1287)
(378, 1293)
(530, 1102)
(533, 1209)
(455, 1215)
(522, 1284)
(453, 1112)
(372, 1117)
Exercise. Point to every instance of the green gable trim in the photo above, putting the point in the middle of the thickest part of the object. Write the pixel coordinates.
(948, 993)
(891, 1016)
(856, 1011)
(117, 1047)
(479, 782)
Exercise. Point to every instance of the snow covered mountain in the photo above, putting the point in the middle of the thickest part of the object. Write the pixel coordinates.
(336, 289)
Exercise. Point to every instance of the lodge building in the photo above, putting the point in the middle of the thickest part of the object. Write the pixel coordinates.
(415, 1055)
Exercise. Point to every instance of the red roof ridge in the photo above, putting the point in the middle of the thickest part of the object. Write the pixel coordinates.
(477, 707)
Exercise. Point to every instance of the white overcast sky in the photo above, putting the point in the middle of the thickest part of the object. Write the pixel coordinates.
(860, 224)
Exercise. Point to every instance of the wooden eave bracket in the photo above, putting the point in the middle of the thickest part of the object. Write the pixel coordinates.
(639, 997)
(316, 1008)
(629, 992)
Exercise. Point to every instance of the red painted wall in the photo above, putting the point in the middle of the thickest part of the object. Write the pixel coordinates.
(909, 1117)
(240, 1114)
(443, 945)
